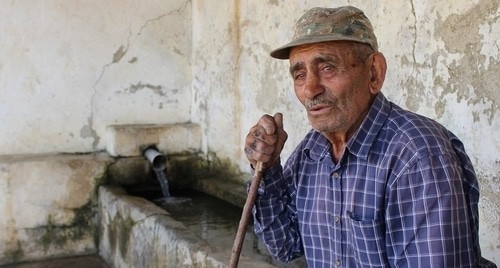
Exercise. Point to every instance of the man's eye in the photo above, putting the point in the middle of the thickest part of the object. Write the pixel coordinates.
(327, 68)
(328, 71)
(299, 76)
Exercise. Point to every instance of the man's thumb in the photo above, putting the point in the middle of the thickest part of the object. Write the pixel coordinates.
(278, 119)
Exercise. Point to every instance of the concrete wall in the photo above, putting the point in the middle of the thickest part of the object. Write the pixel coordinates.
(48, 205)
(70, 69)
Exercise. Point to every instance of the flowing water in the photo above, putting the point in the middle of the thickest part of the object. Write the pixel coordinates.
(162, 179)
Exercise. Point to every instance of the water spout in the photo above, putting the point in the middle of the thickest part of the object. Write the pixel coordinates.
(159, 162)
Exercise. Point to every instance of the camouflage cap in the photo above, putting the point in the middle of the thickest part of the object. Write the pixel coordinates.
(330, 24)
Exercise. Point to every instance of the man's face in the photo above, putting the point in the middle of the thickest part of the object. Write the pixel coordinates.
(332, 84)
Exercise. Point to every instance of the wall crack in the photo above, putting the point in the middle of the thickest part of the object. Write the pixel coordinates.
(89, 130)
(416, 32)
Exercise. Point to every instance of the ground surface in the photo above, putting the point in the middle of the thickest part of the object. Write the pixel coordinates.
(72, 262)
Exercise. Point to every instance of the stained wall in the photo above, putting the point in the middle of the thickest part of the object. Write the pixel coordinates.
(443, 62)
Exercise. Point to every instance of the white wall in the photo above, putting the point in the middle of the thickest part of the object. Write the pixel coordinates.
(70, 68)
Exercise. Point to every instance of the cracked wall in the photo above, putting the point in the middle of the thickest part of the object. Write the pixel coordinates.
(73, 68)
(148, 79)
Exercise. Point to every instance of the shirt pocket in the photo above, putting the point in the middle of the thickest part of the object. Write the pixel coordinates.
(367, 241)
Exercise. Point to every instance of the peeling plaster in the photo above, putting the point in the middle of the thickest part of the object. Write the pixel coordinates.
(415, 88)
(166, 94)
(274, 2)
(133, 60)
(139, 86)
(88, 131)
(473, 77)
(119, 54)
(466, 68)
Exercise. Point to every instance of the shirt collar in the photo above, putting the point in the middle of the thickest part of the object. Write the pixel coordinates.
(317, 146)
(364, 138)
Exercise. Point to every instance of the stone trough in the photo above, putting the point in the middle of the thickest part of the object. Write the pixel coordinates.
(137, 233)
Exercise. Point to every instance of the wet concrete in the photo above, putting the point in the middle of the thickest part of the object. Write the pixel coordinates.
(93, 261)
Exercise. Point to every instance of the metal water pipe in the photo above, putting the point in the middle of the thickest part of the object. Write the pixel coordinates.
(157, 159)
(159, 162)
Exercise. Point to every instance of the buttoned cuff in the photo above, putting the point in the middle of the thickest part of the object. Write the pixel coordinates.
(272, 183)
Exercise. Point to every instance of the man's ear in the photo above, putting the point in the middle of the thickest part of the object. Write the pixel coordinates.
(377, 72)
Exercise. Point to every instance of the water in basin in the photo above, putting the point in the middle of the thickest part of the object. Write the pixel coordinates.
(216, 222)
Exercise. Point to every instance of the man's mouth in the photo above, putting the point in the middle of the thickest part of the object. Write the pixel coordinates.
(318, 109)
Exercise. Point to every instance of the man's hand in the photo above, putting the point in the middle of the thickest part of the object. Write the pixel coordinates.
(265, 140)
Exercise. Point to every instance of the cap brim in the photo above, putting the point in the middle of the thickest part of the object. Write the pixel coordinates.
(283, 52)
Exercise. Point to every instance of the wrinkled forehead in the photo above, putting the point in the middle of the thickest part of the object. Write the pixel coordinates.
(337, 50)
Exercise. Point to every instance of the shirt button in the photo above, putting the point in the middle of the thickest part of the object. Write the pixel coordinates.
(337, 218)
(337, 262)
(335, 175)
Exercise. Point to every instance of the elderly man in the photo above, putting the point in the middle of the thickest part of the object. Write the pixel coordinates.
(371, 185)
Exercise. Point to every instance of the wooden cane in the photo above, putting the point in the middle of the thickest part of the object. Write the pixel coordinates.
(246, 216)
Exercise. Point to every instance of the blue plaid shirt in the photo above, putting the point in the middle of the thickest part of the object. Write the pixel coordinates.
(404, 194)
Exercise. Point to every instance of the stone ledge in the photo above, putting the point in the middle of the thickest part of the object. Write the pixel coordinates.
(131, 140)
(48, 205)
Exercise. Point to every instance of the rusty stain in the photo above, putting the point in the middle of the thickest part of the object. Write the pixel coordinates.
(11, 231)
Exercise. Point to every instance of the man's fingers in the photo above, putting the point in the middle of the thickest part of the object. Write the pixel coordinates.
(266, 139)
(278, 120)
(267, 122)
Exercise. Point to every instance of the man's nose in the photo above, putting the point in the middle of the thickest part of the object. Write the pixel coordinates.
(313, 86)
